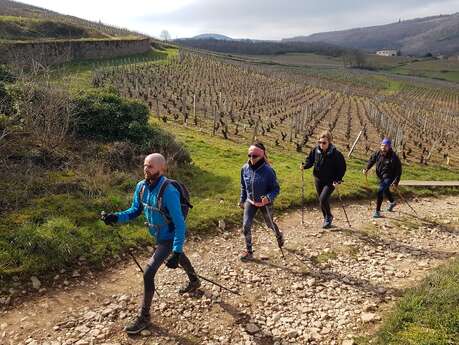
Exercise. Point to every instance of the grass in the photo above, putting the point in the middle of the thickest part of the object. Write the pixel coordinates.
(431, 68)
(59, 227)
(32, 29)
(427, 314)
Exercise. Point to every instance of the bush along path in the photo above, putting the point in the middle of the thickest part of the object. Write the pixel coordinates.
(332, 287)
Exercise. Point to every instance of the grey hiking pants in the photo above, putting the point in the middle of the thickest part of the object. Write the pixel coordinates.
(249, 214)
(161, 253)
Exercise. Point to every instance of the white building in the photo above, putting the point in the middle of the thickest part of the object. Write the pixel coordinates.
(387, 52)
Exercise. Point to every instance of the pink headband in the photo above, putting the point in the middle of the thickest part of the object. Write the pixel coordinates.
(254, 150)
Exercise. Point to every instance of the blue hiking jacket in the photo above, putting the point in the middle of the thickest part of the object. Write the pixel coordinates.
(258, 181)
(157, 224)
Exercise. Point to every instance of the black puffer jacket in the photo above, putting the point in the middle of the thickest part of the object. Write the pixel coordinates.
(387, 166)
(329, 166)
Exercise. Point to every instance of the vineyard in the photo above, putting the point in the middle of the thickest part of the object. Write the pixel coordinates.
(241, 102)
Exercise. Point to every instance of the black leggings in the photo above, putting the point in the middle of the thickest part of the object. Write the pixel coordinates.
(162, 251)
(324, 191)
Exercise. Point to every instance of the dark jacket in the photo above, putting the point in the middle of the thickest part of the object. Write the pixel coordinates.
(329, 167)
(258, 181)
(388, 166)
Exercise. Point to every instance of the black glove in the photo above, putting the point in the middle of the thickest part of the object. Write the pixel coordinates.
(173, 260)
(108, 218)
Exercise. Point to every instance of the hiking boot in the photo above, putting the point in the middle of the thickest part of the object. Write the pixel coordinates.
(391, 206)
(138, 325)
(280, 239)
(246, 256)
(192, 286)
(377, 214)
(327, 222)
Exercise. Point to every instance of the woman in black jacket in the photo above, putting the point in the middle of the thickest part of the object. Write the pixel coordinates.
(329, 169)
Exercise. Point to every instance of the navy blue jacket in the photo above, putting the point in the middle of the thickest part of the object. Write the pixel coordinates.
(258, 181)
(329, 167)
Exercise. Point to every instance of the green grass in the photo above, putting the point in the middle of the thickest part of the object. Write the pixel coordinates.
(32, 29)
(58, 227)
(431, 68)
(428, 314)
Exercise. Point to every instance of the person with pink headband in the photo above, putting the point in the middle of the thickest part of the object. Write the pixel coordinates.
(259, 188)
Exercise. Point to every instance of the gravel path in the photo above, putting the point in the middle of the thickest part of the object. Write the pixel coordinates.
(332, 285)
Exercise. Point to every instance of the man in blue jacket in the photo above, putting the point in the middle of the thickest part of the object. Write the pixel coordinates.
(169, 235)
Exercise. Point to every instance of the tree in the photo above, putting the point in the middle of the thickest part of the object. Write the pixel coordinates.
(165, 35)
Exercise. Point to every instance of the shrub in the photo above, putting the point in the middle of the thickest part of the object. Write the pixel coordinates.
(105, 116)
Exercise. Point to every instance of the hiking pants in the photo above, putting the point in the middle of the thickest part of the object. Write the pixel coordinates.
(324, 191)
(249, 214)
(161, 253)
(384, 189)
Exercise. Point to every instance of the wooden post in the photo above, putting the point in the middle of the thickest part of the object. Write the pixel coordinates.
(194, 110)
(355, 142)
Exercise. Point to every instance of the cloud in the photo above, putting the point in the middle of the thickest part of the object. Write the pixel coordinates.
(262, 19)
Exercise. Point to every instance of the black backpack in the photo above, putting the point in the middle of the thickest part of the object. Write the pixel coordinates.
(184, 198)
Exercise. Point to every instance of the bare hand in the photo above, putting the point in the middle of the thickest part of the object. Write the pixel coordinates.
(241, 205)
(264, 201)
(301, 166)
(365, 171)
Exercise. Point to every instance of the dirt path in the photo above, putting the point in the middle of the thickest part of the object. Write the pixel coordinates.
(331, 285)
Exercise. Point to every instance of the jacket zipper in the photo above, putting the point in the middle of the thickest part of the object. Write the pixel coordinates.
(253, 179)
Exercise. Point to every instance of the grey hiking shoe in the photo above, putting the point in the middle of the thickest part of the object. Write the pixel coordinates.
(192, 286)
(377, 214)
(138, 325)
(327, 222)
(391, 206)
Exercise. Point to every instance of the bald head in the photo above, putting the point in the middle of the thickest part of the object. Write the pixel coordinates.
(154, 166)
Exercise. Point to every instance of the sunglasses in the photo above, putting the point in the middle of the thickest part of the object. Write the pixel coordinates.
(252, 156)
(323, 142)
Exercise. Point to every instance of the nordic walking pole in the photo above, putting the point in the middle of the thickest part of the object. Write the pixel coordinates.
(218, 284)
(342, 205)
(272, 228)
(406, 201)
(103, 213)
(368, 187)
(302, 197)
(132, 255)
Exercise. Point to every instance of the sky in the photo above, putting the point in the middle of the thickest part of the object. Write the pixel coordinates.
(255, 19)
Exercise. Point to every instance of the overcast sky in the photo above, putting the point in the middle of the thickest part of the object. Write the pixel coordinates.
(257, 19)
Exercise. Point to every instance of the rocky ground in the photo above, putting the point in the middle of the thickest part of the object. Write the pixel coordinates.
(331, 285)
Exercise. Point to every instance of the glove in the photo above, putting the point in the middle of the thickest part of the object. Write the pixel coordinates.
(173, 260)
(108, 218)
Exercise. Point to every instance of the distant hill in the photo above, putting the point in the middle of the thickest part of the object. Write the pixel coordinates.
(212, 36)
(20, 21)
(436, 35)
(251, 47)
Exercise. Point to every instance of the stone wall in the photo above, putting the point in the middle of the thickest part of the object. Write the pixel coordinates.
(56, 52)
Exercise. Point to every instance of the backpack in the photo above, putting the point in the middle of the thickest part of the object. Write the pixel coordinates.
(184, 199)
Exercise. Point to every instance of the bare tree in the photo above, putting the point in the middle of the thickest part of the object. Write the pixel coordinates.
(165, 36)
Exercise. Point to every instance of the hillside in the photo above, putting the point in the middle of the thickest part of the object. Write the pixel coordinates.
(26, 22)
(212, 36)
(437, 35)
